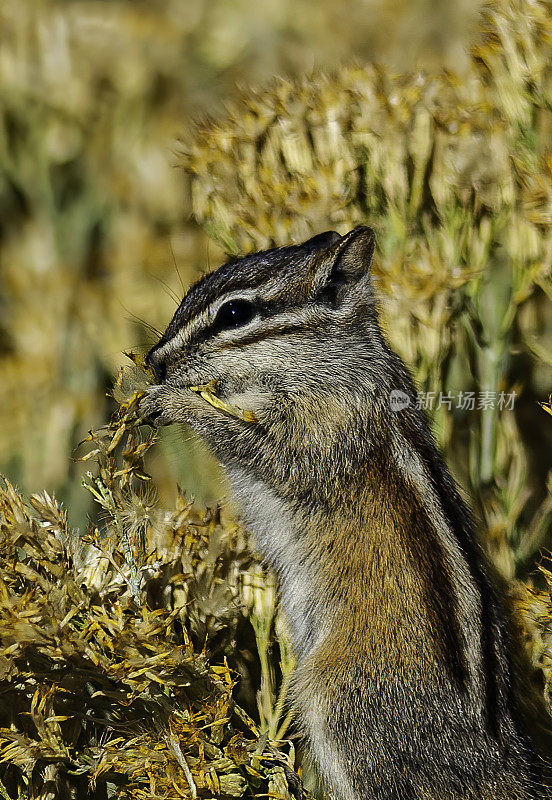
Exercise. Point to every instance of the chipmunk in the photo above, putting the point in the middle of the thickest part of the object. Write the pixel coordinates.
(404, 681)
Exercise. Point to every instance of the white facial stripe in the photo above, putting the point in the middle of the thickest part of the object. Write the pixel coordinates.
(208, 315)
(204, 318)
(178, 340)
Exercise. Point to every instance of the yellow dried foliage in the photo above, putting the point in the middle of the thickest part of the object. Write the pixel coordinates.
(113, 668)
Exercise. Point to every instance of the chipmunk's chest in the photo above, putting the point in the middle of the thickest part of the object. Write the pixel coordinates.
(280, 535)
(345, 584)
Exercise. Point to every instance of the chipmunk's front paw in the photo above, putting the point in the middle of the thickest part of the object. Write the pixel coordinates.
(154, 408)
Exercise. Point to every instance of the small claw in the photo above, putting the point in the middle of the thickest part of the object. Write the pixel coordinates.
(150, 419)
(151, 410)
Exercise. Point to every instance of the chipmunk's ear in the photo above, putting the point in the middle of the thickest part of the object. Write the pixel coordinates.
(347, 261)
(322, 241)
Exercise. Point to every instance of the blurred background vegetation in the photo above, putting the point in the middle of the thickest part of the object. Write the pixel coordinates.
(95, 215)
(139, 144)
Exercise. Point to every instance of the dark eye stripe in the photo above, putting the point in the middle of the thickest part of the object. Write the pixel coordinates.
(234, 314)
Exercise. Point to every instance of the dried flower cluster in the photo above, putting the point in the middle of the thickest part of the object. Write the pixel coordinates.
(113, 669)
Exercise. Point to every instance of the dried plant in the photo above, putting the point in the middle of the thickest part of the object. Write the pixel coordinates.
(115, 646)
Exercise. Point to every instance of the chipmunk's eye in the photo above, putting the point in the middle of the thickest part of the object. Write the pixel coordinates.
(234, 314)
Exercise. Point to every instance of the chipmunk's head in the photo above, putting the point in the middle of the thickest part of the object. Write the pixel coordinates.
(277, 332)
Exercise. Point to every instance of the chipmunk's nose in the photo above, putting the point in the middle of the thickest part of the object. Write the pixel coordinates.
(158, 364)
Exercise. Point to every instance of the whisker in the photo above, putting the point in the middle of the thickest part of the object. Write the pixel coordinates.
(176, 268)
(172, 294)
(132, 316)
